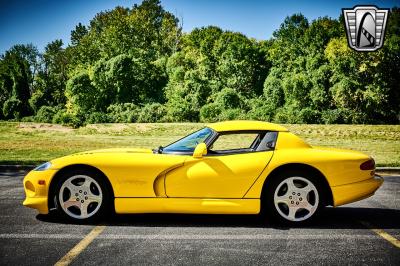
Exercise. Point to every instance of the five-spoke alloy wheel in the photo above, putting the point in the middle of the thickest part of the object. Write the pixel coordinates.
(292, 197)
(296, 199)
(82, 196)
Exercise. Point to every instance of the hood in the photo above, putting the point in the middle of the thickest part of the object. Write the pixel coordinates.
(95, 156)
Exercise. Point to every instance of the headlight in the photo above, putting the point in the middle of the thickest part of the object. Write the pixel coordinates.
(43, 167)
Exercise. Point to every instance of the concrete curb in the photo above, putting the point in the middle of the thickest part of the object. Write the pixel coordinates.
(17, 167)
(388, 170)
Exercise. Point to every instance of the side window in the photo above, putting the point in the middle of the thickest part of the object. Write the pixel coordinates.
(268, 142)
(188, 143)
(235, 143)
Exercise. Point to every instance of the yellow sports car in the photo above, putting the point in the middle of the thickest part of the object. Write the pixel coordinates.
(232, 167)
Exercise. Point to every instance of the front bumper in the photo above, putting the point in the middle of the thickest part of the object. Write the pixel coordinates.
(356, 191)
(36, 186)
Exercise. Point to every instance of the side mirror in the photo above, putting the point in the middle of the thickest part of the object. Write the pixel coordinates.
(200, 150)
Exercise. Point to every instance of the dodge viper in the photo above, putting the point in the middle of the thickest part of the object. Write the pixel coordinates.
(231, 167)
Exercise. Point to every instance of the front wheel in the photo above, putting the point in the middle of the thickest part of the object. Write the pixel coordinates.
(293, 198)
(82, 196)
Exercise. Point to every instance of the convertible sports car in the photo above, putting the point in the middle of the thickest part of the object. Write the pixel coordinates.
(232, 167)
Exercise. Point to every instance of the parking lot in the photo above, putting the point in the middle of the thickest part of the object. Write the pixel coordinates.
(366, 232)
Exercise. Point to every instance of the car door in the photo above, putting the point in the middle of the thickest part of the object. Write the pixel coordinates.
(232, 164)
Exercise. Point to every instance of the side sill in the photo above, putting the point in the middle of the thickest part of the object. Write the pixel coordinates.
(185, 205)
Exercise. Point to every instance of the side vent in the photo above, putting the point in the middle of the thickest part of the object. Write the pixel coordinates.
(159, 182)
(158, 186)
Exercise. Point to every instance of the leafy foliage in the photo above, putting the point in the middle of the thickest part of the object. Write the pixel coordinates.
(153, 112)
(136, 65)
(46, 114)
(123, 113)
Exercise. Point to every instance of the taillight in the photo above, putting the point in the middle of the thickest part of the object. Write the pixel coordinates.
(368, 165)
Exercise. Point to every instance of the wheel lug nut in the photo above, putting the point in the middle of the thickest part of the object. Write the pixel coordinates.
(294, 193)
(80, 191)
(292, 202)
(82, 201)
(86, 198)
(290, 197)
(77, 199)
(298, 194)
(85, 192)
(300, 199)
(297, 203)
(76, 194)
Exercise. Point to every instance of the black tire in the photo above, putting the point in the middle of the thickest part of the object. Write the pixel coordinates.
(270, 209)
(96, 211)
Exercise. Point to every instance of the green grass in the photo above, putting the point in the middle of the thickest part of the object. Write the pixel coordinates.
(32, 143)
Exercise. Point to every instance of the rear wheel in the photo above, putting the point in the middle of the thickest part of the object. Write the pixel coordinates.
(82, 196)
(293, 197)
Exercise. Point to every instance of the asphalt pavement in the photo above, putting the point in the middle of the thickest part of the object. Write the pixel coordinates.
(360, 233)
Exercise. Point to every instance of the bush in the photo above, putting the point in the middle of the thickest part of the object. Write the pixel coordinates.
(332, 116)
(287, 114)
(228, 98)
(293, 115)
(232, 114)
(154, 112)
(97, 117)
(46, 114)
(210, 112)
(64, 118)
(260, 109)
(123, 113)
(28, 119)
(309, 116)
(12, 108)
(183, 111)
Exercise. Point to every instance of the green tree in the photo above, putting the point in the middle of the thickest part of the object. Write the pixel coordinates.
(16, 78)
(78, 33)
(51, 79)
(125, 79)
(83, 97)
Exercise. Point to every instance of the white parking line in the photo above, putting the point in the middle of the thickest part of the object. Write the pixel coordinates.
(194, 236)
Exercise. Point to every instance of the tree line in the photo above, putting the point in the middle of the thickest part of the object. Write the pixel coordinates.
(136, 65)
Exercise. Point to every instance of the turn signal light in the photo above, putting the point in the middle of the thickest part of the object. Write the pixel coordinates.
(41, 182)
(368, 165)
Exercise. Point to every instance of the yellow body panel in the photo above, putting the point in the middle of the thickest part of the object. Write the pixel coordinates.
(228, 176)
(36, 194)
(356, 191)
(185, 205)
(145, 182)
(131, 174)
(339, 167)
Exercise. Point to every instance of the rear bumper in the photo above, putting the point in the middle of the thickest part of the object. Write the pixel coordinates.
(356, 191)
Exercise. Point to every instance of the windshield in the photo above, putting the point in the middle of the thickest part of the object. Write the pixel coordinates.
(189, 143)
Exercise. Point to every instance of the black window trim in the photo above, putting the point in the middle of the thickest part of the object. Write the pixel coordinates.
(238, 151)
(214, 136)
(206, 141)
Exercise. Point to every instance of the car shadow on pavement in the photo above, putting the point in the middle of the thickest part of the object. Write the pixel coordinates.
(329, 218)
